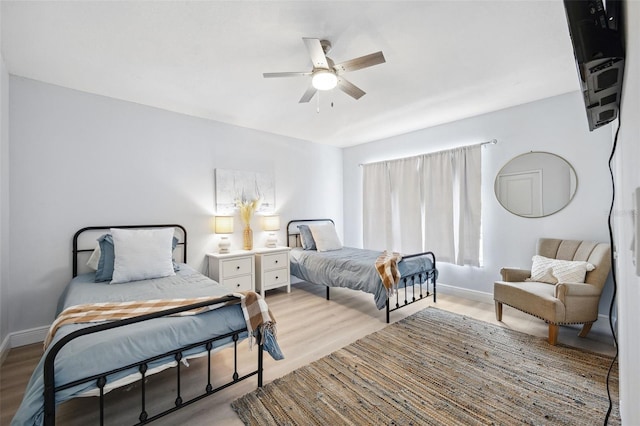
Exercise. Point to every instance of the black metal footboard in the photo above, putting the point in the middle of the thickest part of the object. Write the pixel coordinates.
(101, 379)
(407, 287)
(410, 288)
(403, 296)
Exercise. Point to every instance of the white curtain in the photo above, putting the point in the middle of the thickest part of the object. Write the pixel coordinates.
(467, 162)
(376, 207)
(437, 182)
(426, 203)
(406, 205)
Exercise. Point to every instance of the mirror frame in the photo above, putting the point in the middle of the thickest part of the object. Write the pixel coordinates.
(572, 196)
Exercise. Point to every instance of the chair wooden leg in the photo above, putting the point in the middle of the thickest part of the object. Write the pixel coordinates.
(585, 329)
(498, 310)
(553, 334)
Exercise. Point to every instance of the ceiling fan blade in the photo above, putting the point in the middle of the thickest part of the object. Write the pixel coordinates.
(308, 95)
(285, 74)
(361, 62)
(350, 89)
(316, 53)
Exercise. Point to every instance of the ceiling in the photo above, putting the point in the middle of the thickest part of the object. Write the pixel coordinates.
(445, 60)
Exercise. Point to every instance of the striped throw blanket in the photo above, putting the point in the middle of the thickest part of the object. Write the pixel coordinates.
(254, 308)
(387, 267)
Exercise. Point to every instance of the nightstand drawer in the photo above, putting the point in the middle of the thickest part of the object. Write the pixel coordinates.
(272, 269)
(235, 270)
(235, 267)
(276, 260)
(276, 277)
(239, 283)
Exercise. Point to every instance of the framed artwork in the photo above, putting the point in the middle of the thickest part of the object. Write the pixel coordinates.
(235, 185)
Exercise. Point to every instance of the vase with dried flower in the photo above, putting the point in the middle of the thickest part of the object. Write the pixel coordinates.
(247, 208)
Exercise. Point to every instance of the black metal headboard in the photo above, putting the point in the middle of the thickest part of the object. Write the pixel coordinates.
(294, 233)
(182, 240)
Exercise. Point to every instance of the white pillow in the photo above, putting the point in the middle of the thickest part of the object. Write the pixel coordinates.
(325, 237)
(142, 254)
(95, 257)
(554, 271)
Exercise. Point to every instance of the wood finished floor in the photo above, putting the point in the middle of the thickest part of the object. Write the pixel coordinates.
(309, 327)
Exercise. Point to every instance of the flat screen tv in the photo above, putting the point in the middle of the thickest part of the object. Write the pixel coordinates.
(596, 36)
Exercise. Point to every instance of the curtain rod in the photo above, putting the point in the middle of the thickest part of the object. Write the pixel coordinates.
(491, 142)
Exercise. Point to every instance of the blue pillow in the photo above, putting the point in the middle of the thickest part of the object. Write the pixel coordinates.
(174, 243)
(108, 258)
(306, 238)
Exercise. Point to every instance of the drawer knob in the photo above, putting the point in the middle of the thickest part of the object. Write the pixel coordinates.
(237, 267)
(276, 261)
(276, 277)
(238, 285)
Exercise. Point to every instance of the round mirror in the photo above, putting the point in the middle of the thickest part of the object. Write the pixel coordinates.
(536, 184)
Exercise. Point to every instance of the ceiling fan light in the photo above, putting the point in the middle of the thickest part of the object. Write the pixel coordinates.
(324, 80)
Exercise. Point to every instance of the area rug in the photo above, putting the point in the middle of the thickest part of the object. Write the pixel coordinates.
(439, 368)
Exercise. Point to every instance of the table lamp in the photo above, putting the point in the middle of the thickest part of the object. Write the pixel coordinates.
(224, 225)
(271, 223)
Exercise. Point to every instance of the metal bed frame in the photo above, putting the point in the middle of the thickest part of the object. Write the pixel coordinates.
(101, 379)
(410, 281)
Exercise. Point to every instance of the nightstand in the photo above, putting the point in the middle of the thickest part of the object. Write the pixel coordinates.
(234, 270)
(272, 268)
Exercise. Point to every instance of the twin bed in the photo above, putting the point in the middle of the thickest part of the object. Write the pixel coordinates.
(192, 316)
(333, 265)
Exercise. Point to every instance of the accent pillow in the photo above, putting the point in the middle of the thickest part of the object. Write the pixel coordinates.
(554, 271)
(95, 258)
(142, 254)
(325, 237)
(104, 270)
(306, 238)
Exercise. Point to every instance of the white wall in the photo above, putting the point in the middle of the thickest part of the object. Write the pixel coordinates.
(557, 125)
(4, 208)
(78, 159)
(628, 178)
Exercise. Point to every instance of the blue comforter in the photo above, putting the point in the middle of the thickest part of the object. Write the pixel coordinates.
(350, 267)
(109, 349)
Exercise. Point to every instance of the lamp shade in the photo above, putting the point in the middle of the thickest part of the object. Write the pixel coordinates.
(271, 223)
(223, 225)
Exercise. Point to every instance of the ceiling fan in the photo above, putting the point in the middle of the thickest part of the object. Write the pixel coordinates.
(326, 74)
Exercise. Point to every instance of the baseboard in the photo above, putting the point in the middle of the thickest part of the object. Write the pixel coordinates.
(465, 293)
(601, 326)
(4, 349)
(28, 337)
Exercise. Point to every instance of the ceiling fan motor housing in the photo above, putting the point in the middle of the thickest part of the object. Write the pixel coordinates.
(326, 46)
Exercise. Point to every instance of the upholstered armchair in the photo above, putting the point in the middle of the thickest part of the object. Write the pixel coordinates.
(553, 289)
